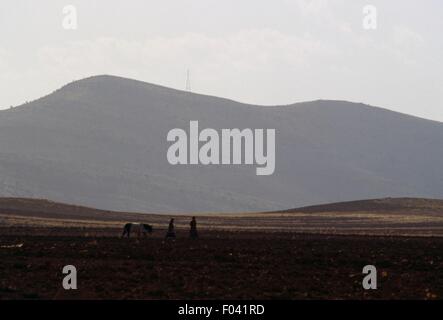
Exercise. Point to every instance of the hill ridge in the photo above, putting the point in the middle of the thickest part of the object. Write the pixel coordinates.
(109, 77)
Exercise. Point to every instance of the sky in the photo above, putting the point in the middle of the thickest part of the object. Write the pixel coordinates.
(261, 52)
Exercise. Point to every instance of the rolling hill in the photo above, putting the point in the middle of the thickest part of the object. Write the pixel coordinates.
(393, 216)
(101, 142)
(389, 205)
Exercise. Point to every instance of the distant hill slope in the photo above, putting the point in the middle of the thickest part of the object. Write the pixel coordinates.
(50, 209)
(55, 210)
(398, 205)
(101, 142)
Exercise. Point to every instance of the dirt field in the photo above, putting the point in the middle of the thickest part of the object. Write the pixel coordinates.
(299, 254)
(220, 265)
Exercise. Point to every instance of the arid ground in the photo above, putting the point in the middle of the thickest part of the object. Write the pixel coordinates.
(308, 253)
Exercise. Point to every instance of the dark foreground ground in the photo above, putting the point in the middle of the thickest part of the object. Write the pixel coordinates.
(220, 265)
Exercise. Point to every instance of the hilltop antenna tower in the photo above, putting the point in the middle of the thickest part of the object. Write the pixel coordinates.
(188, 81)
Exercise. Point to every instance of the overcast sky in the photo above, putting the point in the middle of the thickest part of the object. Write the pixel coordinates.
(262, 52)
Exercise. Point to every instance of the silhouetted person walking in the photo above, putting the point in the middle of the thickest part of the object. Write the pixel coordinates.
(193, 232)
(171, 230)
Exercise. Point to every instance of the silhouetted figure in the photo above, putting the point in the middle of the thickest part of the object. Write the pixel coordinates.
(171, 230)
(193, 232)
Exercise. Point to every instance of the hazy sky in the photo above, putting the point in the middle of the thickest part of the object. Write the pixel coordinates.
(263, 52)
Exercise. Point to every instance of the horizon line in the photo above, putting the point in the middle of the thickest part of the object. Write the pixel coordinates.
(183, 91)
